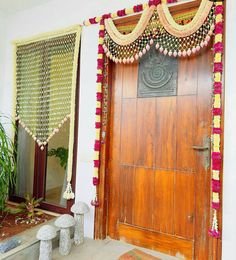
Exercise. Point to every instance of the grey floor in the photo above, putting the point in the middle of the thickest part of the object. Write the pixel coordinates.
(104, 250)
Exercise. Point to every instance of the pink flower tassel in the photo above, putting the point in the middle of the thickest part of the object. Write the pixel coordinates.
(216, 161)
(217, 111)
(217, 131)
(215, 205)
(97, 125)
(92, 20)
(100, 49)
(99, 78)
(219, 9)
(219, 28)
(138, 8)
(106, 16)
(97, 145)
(121, 13)
(101, 33)
(214, 233)
(217, 87)
(154, 2)
(95, 202)
(95, 181)
(218, 47)
(215, 185)
(96, 163)
(218, 67)
(99, 96)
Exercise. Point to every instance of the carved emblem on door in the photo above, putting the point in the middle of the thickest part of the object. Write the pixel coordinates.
(157, 76)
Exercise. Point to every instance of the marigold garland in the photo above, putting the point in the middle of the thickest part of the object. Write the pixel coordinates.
(216, 156)
(126, 11)
(97, 144)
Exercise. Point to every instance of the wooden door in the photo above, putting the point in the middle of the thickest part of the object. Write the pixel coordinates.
(158, 184)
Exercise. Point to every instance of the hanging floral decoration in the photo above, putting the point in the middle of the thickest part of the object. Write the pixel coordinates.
(45, 74)
(157, 26)
(126, 11)
(98, 124)
(217, 111)
(154, 27)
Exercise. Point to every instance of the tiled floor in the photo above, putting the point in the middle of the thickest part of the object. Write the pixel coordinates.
(103, 250)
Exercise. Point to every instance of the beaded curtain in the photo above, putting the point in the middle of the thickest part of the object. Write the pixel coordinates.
(45, 79)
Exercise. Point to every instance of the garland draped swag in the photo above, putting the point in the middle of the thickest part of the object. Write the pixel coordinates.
(45, 86)
(157, 26)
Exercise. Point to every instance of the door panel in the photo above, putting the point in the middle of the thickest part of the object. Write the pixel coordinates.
(185, 134)
(142, 198)
(127, 177)
(158, 186)
(187, 76)
(130, 74)
(155, 240)
(146, 132)
(163, 211)
(184, 205)
(166, 141)
(128, 130)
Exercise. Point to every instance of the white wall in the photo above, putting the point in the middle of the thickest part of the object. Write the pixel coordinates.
(60, 13)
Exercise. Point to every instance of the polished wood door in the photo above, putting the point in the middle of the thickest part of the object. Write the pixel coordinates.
(158, 185)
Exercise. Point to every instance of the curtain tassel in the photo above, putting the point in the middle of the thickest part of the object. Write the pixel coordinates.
(68, 194)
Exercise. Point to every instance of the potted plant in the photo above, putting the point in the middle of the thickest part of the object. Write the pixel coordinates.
(28, 207)
(7, 162)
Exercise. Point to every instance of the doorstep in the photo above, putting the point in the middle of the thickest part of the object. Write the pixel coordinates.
(29, 247)
(107, 249)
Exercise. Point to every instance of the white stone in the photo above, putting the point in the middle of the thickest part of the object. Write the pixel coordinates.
(65, 241)
(45, 235)
(64, 222)
(79, 209)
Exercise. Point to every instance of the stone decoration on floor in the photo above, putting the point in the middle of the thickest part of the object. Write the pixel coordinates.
(9, 244)
(45, 234)
(79, 209)
(65, 222)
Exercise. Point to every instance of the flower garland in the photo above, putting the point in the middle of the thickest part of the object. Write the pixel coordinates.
(126, 11)
(98, 125)
(217, 111)
(128, 48)
(181, 18)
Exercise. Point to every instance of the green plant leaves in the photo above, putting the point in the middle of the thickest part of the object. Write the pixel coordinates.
(61, 153)
(29, 207)
(7, 162)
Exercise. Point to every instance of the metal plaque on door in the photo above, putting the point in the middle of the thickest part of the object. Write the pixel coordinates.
(157, 75)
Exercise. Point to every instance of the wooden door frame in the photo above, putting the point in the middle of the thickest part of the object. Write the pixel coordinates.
(100, 221)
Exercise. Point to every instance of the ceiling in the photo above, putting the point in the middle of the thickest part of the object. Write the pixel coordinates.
(11, 6)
